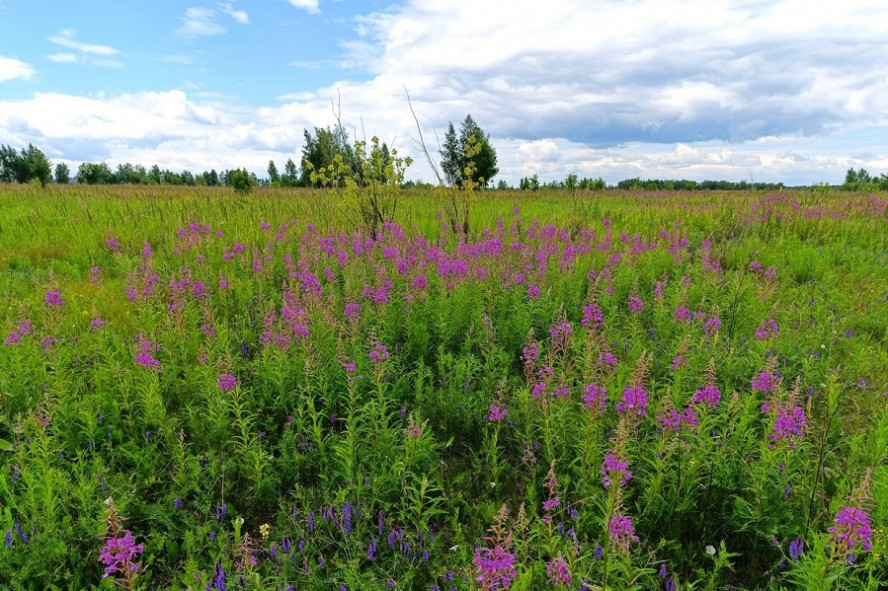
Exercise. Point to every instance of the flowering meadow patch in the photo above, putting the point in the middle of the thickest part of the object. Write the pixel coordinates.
(589, 391)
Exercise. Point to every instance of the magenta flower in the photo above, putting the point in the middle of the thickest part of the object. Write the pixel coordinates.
(53, 299)
(352, 311)
(789, 424)
(636, 305)
(621, 531)
(533, 292)
(228, 382)
(498, 412)
(712, 325)
(558, 572)
(118, 553)
(594, 397)
(634, 400)
(593, 317)
(682, 314)
(379, 353)
(496, 567)
(613, 469)
(112, 243)
(708, 395)
(765, 382)
(145, 359)
(852, 529)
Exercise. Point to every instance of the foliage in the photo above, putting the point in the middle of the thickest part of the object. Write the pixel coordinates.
(24, 167)
(610, 389)
(468, 157)
(320, 152)
(62, 173)
(242, 181)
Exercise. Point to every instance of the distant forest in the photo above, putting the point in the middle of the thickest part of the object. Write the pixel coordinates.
(30, 165)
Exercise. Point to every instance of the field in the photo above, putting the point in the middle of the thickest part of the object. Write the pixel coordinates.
(608, 390)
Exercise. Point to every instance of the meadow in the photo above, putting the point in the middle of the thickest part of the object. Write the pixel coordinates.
(584, 390)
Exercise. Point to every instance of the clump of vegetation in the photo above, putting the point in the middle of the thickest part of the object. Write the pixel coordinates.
(325, 390)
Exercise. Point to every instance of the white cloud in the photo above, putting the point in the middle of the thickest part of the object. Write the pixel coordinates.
(11, 69)
(309, 5)
(89, 54)
(676, 89)
(65, 38)
(240, 16)
(199, 22)
(63, 58)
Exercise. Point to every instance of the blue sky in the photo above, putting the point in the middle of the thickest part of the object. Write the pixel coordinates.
(757, 89)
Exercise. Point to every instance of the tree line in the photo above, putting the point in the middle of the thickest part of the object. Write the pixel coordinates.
(466, 156)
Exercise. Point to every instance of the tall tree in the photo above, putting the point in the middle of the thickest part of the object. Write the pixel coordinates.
(291, 174)
(321, 150)
(62, 173)
(468, 155)
(273, 177)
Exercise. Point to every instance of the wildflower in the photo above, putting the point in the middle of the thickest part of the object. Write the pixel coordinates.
(708, 395)
(594, 397)
(593, 317)
(612, 469)
(852, 529)
(712, 325)
(621, 531)
(379, 353)
(636, 305)
(112, 244)
(352, 311)
(145, 359)
(118, 553)
(765, 382)
(533, 292)
(498, 412)
(228, 382)
(796, 547)
(263, 530)
(682, 314)
(558, 572)
(53, 299)
(219, 579)
(789, 424)
(96, 324)
(767, 329)
(634, 399)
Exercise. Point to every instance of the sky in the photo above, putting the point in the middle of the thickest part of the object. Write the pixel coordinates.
(792, 91)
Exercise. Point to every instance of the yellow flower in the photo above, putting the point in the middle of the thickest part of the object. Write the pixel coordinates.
(263, 530)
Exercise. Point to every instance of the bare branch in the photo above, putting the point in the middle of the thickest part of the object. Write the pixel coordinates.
(421, 142)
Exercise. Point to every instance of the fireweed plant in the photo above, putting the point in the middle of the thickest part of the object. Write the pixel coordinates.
(344, 389)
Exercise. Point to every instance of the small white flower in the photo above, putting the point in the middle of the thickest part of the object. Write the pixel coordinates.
(710, 550)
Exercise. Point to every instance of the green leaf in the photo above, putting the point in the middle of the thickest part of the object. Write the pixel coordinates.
(5, 445)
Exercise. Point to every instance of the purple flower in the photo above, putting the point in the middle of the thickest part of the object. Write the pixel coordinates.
(682, 314)
(765, 382)
(219, 578)
(558, 572)
(498, 412)
(708, 395)
(852, 528)
(634, 399)
(796, 547)
(712, 325)
(112, 243)
(53, 299)
(379, 353)
(594, 397)
(789, 424)
(228, 382)
(118, 553)
(533, 292)
(622, 533)
(496, 567)
(636, 305)
(352, 311)
(593, 317)
(613, 469)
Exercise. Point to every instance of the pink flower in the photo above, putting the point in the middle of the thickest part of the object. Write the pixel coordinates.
(228, 382)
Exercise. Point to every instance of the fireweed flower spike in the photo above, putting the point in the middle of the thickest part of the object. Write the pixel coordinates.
(120, 550)
(852, 532)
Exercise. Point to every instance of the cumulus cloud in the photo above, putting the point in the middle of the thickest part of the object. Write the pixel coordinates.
(11, 69)
(309, 5)
(758, 89)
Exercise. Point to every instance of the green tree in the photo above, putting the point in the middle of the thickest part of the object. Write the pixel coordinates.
(62, 173)
(36, 166)
(469, 152)
(273, 177)
(320, 152)
(242, 181)
(291, 174)
(90, 173)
